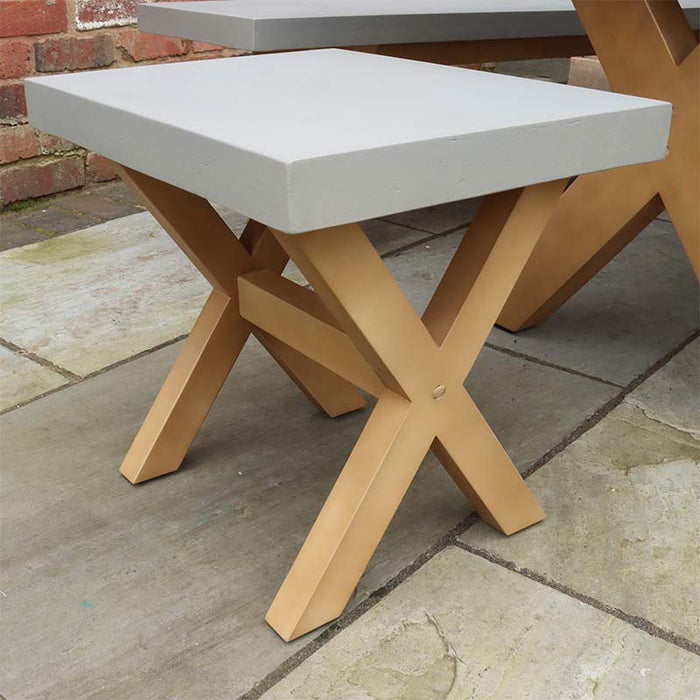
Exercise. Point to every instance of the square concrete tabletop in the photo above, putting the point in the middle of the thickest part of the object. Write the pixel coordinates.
(275, 25)
(314, 139)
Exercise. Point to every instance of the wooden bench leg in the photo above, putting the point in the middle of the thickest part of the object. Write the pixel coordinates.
(219, 333)
(357, 512)
(188, 393)
(423, 403)
(592, 222)
(646, 48)
(325, 389)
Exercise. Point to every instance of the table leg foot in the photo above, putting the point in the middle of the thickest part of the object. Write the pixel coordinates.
(189, 391)
(353, 519)
(481, 468)
(596, 217)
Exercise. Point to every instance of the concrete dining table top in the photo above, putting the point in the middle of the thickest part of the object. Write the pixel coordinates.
(276, 25)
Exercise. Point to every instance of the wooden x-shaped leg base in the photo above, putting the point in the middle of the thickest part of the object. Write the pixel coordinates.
(359, 323)
(356, 329)
(646, 48)
(219, 333)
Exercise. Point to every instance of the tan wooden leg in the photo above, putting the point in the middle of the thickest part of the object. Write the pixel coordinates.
(353, 519)
(592, 222)
(481, 468)
(325, 389)
(219, 333)
(646, 48)
(424, 401)
(678, 177)
(185, 398)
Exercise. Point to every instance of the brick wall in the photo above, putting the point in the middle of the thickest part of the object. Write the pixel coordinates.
(39, 37)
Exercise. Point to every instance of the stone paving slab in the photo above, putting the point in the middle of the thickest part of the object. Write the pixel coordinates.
(160, 590)
(439, 218)
(13, 235)
(101, 207)
(623, 522)
(462, 627)
(98, 296)
(635, 311)
(119, 190)
(53, 221)
(555, 70)
(22, 379)
(116, 289)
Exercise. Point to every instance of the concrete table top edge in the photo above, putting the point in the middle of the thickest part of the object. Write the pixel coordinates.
(350, 154)
(274, 25)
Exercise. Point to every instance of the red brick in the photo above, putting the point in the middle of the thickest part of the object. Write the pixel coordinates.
(71, 53)
(54, 144)
(18, 142)
(99, 169)
(92, 14)
(201, 46)
(36, 179)
(145, 47)
(24, 17)
(12, 104)
(15, 59)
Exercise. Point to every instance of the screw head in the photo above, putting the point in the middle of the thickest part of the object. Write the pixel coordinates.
(439, 391)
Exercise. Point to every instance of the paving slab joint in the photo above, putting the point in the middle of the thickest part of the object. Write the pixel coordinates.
(551, 365)
(67, 374)
(640, 623)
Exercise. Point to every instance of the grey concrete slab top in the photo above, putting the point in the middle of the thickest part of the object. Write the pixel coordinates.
(314, 139)
(273, 25)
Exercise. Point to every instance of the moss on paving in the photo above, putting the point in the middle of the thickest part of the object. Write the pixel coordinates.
(27, 204)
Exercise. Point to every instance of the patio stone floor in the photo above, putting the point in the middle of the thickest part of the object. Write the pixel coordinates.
(109, 590)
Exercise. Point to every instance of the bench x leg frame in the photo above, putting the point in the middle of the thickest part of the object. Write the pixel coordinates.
(646, 48)
(356, 329)
(219, 333)
(420, 367)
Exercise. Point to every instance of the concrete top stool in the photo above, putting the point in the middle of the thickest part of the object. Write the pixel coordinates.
(306, 145)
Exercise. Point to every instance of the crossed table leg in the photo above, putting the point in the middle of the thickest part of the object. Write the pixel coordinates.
(219, 333)
(418, 368)
(356, 329)
(646, 48)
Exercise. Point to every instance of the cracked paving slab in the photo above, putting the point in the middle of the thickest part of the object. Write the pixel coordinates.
(623, 520)
(462, 627)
